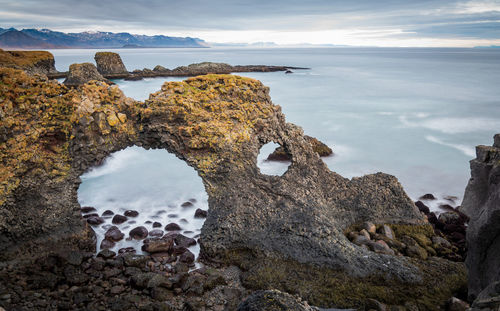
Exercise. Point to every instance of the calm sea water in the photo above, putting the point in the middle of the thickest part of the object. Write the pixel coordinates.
(411, 112)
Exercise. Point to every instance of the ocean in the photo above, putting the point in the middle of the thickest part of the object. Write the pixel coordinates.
(416, 113)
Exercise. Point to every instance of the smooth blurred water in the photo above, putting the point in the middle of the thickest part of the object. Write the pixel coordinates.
(411, 112)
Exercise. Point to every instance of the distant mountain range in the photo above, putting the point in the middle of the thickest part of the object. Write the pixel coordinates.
(46, 38)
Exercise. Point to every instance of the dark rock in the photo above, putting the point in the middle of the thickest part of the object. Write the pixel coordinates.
(114, 234)
(427, 196)
(200, 213)
(127, 250)
(106, 254)
(131, 213)
(107, 244)
(187, 204)
(88, 209)
(183, 240)
(118, 219)
(187, 257)
(422, 207)
(91, 215)
(107, 213)
(372, 304)
(156, 245)
(273, 300)
(156, 232)
(288, 71)
(133, 260)
(281, 154)
(95, 220)
(172, 227)
(139, 233)
(447, 207)
(82, 73)
(386, 231)
(455, 304)
(156, 224)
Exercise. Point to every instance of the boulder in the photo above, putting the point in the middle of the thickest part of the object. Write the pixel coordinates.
(481, 204)
(82, 73)
(110, 65)
(139, 233)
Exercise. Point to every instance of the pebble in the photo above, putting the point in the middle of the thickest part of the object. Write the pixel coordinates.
(139, 233)
(88, 209)
(131, 213)
(172, 227)
(200, 213)
(156, 232)
(118, 219)
(114, 234)
(108, 213)
(156, 224)
(187, 204)
(427, 196)
(95, 220)
(106, 244)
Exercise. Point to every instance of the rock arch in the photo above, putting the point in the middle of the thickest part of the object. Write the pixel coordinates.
(268, 225)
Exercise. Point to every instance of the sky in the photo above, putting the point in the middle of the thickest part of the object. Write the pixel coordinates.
(418, 23)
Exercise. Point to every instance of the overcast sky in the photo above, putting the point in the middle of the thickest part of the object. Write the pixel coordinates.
(350, 22)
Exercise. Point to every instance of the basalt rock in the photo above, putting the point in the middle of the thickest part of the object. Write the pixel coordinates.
(82, 73)
(110, 65)
(281, 154)
(33, 62)
(482, 204)
(285, 232)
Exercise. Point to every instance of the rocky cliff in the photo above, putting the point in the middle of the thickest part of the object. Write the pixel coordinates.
(285, 232)
(33, 62)
(482, 204)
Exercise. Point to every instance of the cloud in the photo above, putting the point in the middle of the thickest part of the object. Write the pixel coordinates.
(362, 22)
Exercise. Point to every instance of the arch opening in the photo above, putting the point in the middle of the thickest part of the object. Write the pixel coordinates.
(273, 159)
(152, 189)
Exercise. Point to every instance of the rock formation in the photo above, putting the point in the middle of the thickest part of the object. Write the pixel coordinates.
(82, 73)
(285, 232)
(273, 300)
(280, 154)
(33, 62)
(110, 65)
(482, 204)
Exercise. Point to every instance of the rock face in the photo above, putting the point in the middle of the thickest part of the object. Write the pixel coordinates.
(482, 204)
(285, 232)
(82, 73)
(33, 62)
(110, 65)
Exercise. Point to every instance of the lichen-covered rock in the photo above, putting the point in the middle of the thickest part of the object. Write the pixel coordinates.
(482, 204)
(273, 300)
(286, 232)
(82, 73)
(33, 62)
(110, 65)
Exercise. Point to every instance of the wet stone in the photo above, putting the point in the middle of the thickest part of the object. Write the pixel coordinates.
(139, 233)
(95, 220)
(156, 232)
(106, 244)
(187, 204)
(106, 254)
(118, 219)
(183, 240)
(88, 209)
(127, 250)
(91, 215)
(172, 216)
(156, 224)
(131, 213)
(427, 196)
(108, 213)
(200, 213)
(187, 257)
(172, 227)
(114, 234)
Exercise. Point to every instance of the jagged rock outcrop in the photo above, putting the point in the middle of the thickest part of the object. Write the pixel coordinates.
(280, 154)
(203, 69)
(82, 73)
(285, 232)
(33, 62)
(482, 204)
(273, 300)
(110, 65)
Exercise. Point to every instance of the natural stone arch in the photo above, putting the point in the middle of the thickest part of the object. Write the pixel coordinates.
(270, 226)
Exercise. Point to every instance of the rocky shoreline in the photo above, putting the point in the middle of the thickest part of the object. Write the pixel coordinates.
(330, 241)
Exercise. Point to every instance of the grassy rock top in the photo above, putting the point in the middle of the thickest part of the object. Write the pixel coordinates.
(27, 60)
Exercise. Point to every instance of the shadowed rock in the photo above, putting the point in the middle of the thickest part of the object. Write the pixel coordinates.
(285, 232)
(482, 204)
(281, 154)
(82, 73)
